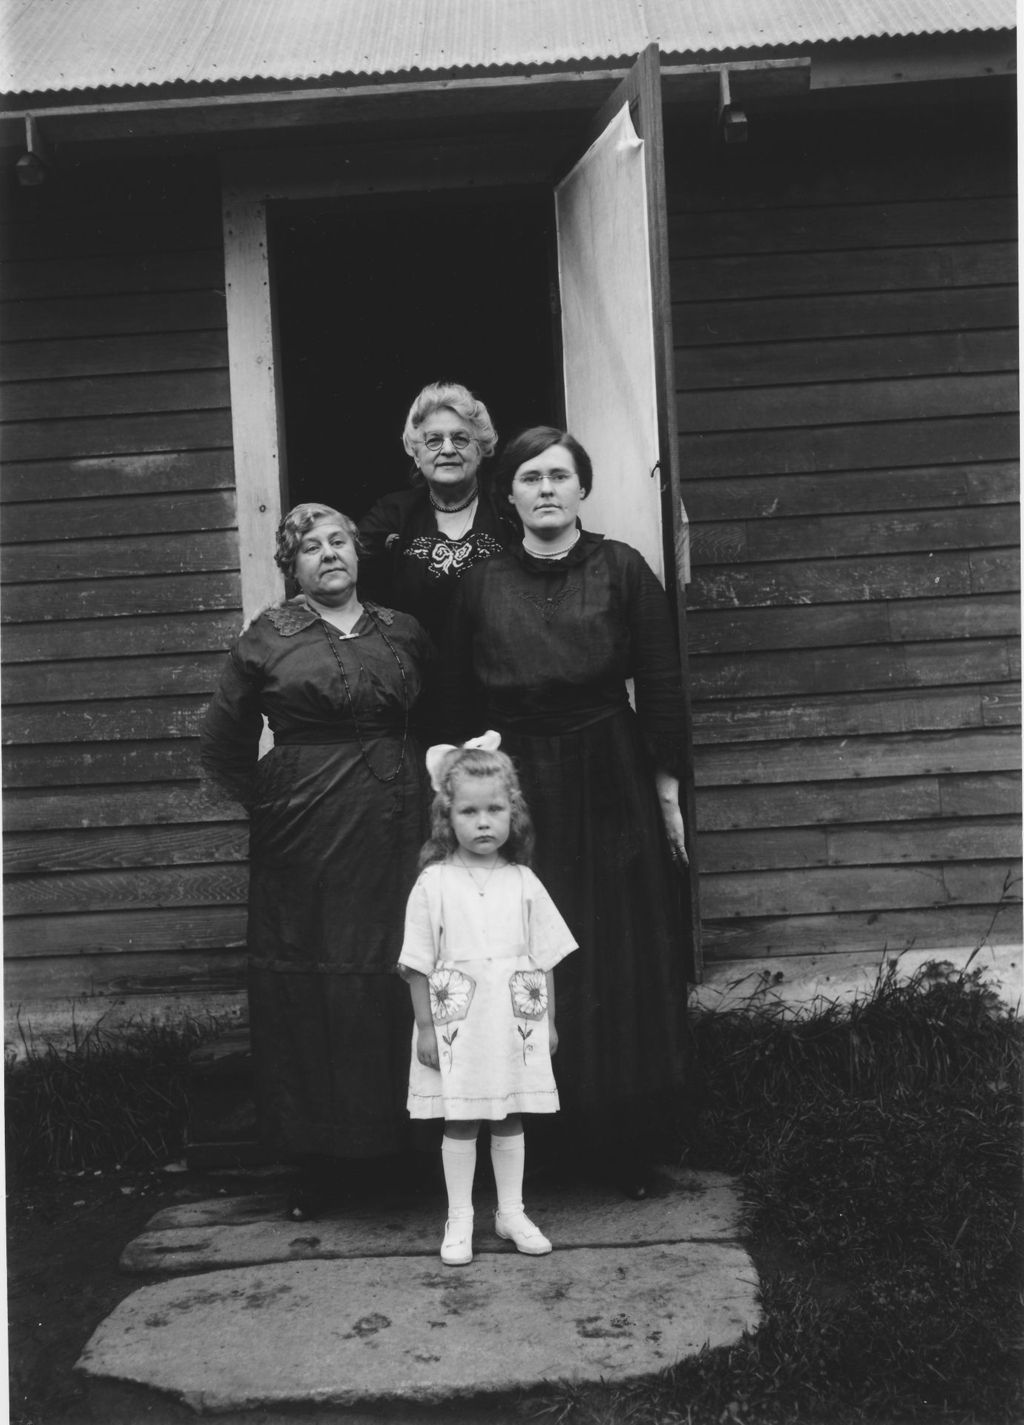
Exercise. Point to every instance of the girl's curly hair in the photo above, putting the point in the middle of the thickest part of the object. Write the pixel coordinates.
(476, 762)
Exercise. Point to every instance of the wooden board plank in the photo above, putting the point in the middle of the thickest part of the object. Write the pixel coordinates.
(725, 851)
(143, 805)
(887, 930)
(821, 227)
(119, 518)
(984, 615)
(741, 808)
(782, 719)
(93, 357)
(981, 838)
(212, 928)
(697, 321)
(196, 632)
(702, 368)
(143, 887)
(70, 979)
(161, 473)
(911, 160)
(803, 626)
(186, 593)
(1001, 706)
(95, 678)
(194, 553)
(99, 763)
(81, 396)
(979, 794)
(908, 620)
(95, 849)
(824, 403)
(933, 487)
(955, 440)
(152, 271)
(994, 569)
(64, 318)
(852, 669)
(845, 889)
(112, 230)
(869, 269)
(842, 581)
(989, 526)
(136, 719)
(839, 759)
(117, 435)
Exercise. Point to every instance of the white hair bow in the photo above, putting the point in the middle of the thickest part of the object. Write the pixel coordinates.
(486, 742)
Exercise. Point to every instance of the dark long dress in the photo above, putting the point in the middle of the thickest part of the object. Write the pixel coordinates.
(541, 650)
(407, 564)
(334, 838)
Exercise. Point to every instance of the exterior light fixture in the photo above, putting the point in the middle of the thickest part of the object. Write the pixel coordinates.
(33, 165)
(732, 121)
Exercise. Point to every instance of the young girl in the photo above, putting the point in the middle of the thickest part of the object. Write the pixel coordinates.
(481, 939)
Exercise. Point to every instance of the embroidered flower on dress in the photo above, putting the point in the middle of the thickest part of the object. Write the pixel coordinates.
(529, 994)
(450, 995)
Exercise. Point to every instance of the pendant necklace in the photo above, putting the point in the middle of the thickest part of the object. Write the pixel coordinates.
(480, 890)
(380, 777)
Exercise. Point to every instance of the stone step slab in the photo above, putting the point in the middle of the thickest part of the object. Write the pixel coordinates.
(404, 1328)
(246, 1231)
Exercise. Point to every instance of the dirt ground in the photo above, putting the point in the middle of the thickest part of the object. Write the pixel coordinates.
(64, 1238)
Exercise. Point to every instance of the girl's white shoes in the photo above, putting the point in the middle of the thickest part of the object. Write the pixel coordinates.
(457, 1247)
(516, 1227)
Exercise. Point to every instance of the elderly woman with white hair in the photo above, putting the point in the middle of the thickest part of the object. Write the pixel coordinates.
(418, 542)
(337, 816)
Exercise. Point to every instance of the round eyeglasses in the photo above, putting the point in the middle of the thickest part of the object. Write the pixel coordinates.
(459, 441)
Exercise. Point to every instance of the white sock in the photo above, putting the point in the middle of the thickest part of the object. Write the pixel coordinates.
(508, 1159)
(458, 1157)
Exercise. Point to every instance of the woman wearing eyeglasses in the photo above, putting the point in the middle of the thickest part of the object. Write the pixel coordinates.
(417, 543)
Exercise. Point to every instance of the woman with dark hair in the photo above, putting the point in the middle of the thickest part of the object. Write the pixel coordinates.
(419, 542)
(540, 645)
(337, 814)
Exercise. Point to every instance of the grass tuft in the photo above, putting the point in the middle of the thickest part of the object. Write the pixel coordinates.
(107, 1098)
(879, 1147)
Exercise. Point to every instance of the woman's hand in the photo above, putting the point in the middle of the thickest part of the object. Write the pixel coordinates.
(552, 1037)
(668, 801)
(426, 1047)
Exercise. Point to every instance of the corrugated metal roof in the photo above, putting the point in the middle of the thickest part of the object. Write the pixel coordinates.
(60, 45)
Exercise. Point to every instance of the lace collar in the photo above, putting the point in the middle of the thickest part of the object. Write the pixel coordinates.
(294, 615)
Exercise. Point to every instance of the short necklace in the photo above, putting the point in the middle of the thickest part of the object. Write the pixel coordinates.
(558, 554)
(480, 889)
(390, 777)
(452, 509)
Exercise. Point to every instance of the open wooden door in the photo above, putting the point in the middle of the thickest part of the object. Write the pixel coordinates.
(616, 329)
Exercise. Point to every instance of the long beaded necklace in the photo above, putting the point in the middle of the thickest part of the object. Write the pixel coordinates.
(391, 776)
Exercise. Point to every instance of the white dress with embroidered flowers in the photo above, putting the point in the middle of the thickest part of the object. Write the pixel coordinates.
(486, 957)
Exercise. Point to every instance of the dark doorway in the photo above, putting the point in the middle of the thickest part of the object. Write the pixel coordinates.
(376, 298)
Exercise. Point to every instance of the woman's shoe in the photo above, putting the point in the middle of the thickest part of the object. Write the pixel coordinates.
(457, 1247)
(518, 1228)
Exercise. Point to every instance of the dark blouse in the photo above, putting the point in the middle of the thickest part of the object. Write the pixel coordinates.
(314, 686)
(408, 564)
(543, 647)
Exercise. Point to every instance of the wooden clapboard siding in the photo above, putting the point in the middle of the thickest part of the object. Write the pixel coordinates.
(120, 588)
(846, 348)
